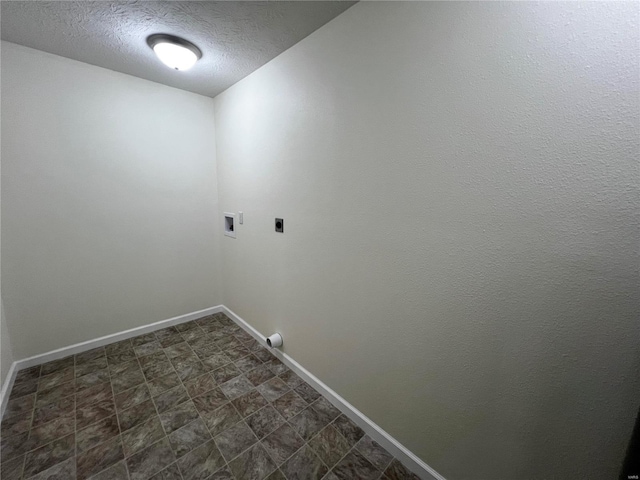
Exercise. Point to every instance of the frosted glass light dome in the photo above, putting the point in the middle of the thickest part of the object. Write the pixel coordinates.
(175, 52)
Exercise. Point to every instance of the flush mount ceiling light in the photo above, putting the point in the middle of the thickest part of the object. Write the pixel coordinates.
(174, 52)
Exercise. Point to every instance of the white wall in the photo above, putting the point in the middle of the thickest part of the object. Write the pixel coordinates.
(459, 183)
(109, 201)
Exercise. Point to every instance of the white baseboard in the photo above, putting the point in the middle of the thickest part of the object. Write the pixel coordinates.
(411, 461)
(408, 459)
(114, 337)
(7, 386)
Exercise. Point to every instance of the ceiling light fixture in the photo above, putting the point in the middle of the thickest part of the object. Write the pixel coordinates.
(174, 52)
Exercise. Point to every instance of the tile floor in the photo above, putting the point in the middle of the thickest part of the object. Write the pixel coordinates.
(202, 400)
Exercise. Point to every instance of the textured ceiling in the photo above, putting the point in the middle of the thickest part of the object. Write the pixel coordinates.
(235, 37)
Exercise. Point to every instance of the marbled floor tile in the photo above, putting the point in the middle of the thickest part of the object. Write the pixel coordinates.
(200, 385)
(151, 460)
(27, 374)
(97, 433)
(191, 370)
(20, 405)
(122, 357)
(189, 437)
(220, 419)
(326, 409)
(157, 368)
(143, 339)
(291, 379)
(226, 373)
(51, 395)
(289, 404)
(170, 398)
(60, 376)
(161, 384)
(14, 446)
(147, 348)
(236, 353)
(141, 436)
(330, 445)
(92, 413)
(199, 341)
(152, 359)
(243, 336)
(397, 471)
(118, 347)
(263, 354)
(236, 387)
(216, 361)
(214, 336)
(206, 351)
(254, 464)
(272, 389)
(276, 366)
(62, 471)
(178, 350)
(307, 392)
(99, 458)
(264, 421)
(211, 327)
(56, 409)
(16, 424)
(260, 375)
(201, 462)
(132, 397)
(136, 415)
(305, 465)
(114, 472)
(56, 428)
(12, 469)
(278, 475)
(227, 342)
(56, 365)
(170, 340)
(307, 423)
(127, 377)
(355, 465)
(24, 388)
(172, 472)
(282, 443)
(235, 440)
(248, 363)
(374, 452)
(348, 429)
(92, 379)
(49, 455)
(89, 355)
(210, 401)
(223, 474)
(249, 403)
(97, 393)
(166, 332)
(185, 327)
(178, 416)
(90, 366)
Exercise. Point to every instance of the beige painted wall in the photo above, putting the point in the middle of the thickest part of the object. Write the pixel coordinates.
(109, 201)
(459, 183)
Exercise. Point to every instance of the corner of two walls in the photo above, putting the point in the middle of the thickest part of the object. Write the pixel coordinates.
(109, 201)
